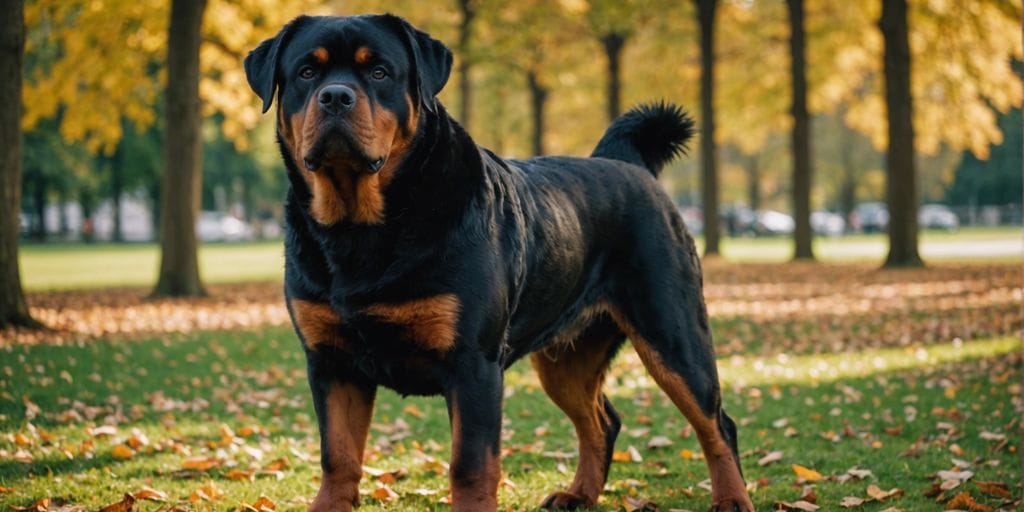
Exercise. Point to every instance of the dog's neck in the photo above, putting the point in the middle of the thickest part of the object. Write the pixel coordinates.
(431, 190)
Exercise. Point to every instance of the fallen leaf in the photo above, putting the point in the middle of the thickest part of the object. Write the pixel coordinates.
(806, 474)
(659, 442)
(964, 501)
(770, 458)
(384, 493)
(851, 502)
(122, 452)
(147, 493)
(796, 505)
(125, 505)
(998, 489)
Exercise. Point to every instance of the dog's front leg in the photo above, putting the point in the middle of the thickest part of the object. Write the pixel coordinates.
(344, 408)
(474, 409)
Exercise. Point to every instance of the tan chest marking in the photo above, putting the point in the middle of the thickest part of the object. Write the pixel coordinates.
(318, 323)
(430, 322)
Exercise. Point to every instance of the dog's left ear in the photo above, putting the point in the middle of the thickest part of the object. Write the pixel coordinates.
(261, 63)
(431, 60)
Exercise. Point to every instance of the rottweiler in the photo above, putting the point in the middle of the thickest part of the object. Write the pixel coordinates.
(419, 261)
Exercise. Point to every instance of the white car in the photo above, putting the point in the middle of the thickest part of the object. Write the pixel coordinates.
(221, 227)
(937, 216)
(771, 222)
(827, 223)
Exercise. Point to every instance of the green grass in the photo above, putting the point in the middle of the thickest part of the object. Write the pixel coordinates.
(76, 266)
(840, 406)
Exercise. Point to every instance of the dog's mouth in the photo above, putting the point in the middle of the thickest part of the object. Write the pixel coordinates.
(334, 149)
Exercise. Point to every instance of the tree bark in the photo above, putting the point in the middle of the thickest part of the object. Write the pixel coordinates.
(468, 10)
(116, 191)
(801, 141)
(181, 191)
(848, 188)
(538, 99)
(901, 185)
(753, 182)
(709, 161)
(13, 308)
(613, 43)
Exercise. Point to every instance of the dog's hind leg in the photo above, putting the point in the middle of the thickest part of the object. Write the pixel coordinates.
(572, 375)
(666, 320)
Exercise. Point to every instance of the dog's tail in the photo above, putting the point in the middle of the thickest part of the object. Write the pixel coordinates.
(649, 135)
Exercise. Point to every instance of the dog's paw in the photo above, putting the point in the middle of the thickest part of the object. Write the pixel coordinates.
(733, 505)
(566, 501)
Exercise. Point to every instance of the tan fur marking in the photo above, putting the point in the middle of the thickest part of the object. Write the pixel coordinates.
(478, 493)
(363, 55)
(726, 483)
(317, 322)
(572, 375)
(349, 410)
(430, 322)
(321, 55)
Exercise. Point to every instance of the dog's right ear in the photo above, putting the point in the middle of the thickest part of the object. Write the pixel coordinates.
(261, 63)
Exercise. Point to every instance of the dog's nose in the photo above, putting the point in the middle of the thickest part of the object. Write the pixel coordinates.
(336, 99)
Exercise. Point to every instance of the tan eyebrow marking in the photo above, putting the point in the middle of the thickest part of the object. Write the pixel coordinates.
(363, 55)
(321, 55)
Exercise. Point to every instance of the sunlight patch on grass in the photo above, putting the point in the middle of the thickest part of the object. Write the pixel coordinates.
(746, 371)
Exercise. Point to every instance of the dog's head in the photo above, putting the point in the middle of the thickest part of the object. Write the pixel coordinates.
(351, 92)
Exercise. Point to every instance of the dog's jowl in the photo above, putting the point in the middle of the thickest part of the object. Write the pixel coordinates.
(419, 261)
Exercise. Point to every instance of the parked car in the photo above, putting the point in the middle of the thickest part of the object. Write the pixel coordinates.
(937, 216)
(221, 227)
(826, 223)
(873, 217)
(771, 222)
(738, 220)
(693, 217)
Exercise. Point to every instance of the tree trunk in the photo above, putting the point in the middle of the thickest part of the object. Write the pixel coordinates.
(182, 180)
(62, 211)
(39, 203)
(801, 135)
(13, 308)
(116, 191)
(901, 185)
(753, 183)
(538, 98)
(709, 162)
(613, 43)
(848, 188)
(468, 10)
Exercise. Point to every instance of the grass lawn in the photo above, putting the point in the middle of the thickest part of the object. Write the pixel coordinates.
(77, 266)
(217, 419)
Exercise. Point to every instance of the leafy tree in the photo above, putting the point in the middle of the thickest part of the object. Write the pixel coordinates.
(13, 308)
(997, 180)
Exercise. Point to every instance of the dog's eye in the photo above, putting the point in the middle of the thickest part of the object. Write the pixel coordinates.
(307, 72)
(378, 73)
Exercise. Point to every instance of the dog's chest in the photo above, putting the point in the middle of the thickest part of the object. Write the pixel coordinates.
(397, 344)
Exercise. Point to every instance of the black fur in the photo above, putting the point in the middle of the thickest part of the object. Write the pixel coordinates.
(526, 245)
(649, 136)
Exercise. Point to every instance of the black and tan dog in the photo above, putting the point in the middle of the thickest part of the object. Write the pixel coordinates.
(419, 261)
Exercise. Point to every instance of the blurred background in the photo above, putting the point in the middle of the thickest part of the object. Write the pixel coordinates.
(545, 77)
(94, 74)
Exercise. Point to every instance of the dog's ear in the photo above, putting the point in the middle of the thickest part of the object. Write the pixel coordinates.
(261, 63)
(431, 60)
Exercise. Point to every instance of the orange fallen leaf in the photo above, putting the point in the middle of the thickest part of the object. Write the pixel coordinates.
(412, 410)
(807, 474)
(125, 505)
(122, 452)
(277, 464)
(7, 489)
(201, 463)
(998, 489)
(964, 501)
(239, 474)
(206, 492)
(384, 493)
(148, 493)
(264, 504)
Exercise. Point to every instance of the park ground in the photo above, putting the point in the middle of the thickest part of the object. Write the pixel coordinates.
(853, 387)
